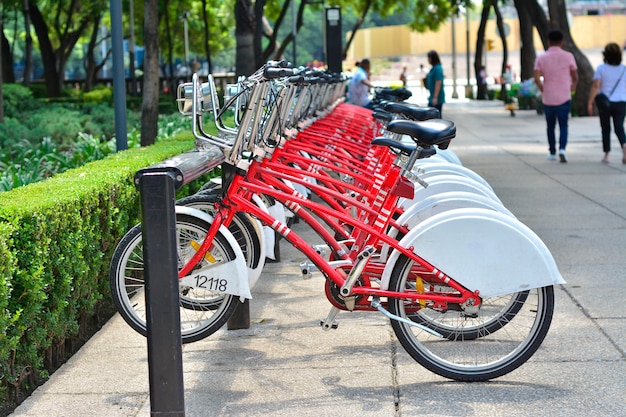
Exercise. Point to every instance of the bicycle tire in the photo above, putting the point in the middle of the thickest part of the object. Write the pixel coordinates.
(482, 358)
(210, 188)
(202, 312)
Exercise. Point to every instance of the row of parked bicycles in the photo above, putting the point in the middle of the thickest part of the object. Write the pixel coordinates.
(403, 228)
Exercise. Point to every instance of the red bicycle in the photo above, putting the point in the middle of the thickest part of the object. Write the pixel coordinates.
(441, 284)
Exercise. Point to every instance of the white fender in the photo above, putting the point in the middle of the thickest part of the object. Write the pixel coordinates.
(444, 183)
(444, 168)
(268, 234)
(440, 203)
(431, 159)
(235, 271)
(450, 200)
(483, 250)
(255, 273)
(445, 155)
(449, 155)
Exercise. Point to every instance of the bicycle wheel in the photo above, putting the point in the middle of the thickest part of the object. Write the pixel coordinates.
(202, 312)
(491, 350)
(210, 188)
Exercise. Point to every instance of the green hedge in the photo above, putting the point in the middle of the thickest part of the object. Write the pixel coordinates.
(56, 241)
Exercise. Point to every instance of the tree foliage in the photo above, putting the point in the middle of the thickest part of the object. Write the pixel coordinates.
(59, 25)
(71, 31)
(429, 15)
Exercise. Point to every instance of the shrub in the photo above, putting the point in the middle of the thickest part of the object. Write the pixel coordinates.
(59, 123)
(11, 132)
(167, 105)
(56, 241)
(38, 90)
(40, 142)
(99, 95)
(18, 100)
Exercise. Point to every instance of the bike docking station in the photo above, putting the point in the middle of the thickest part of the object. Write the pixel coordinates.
(157, 185)
(195, 272)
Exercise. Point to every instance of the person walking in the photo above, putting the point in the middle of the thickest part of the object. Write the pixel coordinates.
(481, 91)
(434, 82)
(403, 77)
(610, 80)
(359, 85)
(556, 76)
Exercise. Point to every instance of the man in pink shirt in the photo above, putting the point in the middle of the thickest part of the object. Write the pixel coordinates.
(559, 72)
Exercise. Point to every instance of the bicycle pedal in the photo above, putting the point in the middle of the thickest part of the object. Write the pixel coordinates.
(329, 322)
(322, 250)
(328, 326)
(307, 270)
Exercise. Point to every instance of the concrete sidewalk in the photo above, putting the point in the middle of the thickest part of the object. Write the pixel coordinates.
(285, 365)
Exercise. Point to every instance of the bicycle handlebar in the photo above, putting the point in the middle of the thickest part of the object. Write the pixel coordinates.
(274, 72)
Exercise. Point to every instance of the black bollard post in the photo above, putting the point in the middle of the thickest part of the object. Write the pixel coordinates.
(158, 228)
(240, 319)
(157, 186)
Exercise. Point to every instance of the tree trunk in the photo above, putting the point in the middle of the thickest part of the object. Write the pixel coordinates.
(538, 16)
(272, 34)
(68, 32)
(356, 27)
(244, 34)
(258, 32)
(28, 47)
(172, 83)
(207, 36)
(558, 20)
(505, 49)
(531, 15)
(48, 57)
(7, 60)
(89, 63)
(481, 88)
(150, 103)
(279, 54)
(527, 50)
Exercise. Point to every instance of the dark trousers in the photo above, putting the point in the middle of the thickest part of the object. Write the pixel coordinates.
(616, 111)
(553, 114)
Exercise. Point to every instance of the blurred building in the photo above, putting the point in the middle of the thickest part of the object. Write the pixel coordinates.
(591, 30)
(596, 8)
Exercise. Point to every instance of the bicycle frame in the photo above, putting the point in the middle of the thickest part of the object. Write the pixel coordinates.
(369, 226)
(236, 199)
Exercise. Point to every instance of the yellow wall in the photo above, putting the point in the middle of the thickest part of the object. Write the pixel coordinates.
(389, 41)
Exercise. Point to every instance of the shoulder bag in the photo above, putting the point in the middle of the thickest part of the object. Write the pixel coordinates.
(602, 100)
